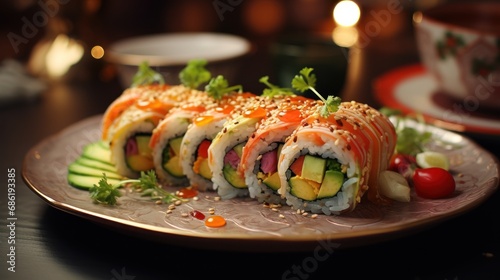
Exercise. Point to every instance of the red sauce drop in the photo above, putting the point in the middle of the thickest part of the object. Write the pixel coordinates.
(187, 192)
(197, 214)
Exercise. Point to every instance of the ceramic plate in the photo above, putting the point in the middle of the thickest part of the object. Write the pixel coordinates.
(177, 48)
(412, 89)
(251, 226)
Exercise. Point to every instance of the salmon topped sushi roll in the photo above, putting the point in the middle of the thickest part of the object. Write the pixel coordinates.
(199, 135)
(329, 163)
(167, 138)
(259, 158)
(130, 135)
(224, 154)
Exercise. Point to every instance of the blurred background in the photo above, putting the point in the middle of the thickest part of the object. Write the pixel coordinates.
(66, 40)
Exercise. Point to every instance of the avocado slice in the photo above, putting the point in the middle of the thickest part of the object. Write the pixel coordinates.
(175, 144)
(300, 188)
(313, 168)
(205, 171)
(173, 167)
(239, 149)
(233, 177)
(143, 144)
(331, 184)
(273, 181)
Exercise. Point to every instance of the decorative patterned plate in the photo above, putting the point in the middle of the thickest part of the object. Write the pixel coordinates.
(250, 226)
(412, 89)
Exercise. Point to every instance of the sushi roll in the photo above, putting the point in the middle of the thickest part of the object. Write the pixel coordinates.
(128, 98)
(167, 138)
(225, 151)
(199, 136)
(329, 163)
(130, 134)
(259, 159)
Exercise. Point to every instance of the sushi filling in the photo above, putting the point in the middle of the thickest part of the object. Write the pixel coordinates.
(268, 168)
(230, 170)
(200, 165)
(314, 177)
(171, 158)
(138, 154)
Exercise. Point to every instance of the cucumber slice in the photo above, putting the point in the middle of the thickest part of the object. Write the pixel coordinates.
(86, 182)
(77, 168)
(96, 164)
(97, 151)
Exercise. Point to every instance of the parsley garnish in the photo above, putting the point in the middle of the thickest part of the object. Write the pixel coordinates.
(274, 90)
(218, 87)
(106, 193)
(410, 141)
(305, 80)
(146, 75)
(195, 73)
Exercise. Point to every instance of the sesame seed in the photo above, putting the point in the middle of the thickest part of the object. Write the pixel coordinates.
(196, 198)
(314, 216)
(274, 209)
(171, 207)
(282, 216)
(178, 202)
(158, 202)
(305, 214)
(217, 198)
(184, 214)
(169, 211)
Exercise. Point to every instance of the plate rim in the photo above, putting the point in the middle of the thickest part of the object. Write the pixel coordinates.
(384, 89)
(246, 242)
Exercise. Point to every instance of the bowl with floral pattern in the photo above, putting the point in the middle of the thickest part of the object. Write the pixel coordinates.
(459, 44)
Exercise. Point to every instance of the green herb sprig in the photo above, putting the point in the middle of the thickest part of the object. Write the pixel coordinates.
(145, 75)
(106, 193)
(305, 80)
(410, 141)
(195, 73)
(219, 86)
(274, 90)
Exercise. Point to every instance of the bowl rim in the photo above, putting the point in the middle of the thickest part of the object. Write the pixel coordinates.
(430, 14)
(117, 51)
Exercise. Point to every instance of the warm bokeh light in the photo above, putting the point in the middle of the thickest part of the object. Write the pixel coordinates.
(345, 36)
(97, 52)
(62, 54)
(346, 13)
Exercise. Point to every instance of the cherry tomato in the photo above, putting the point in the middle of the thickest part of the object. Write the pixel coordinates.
(403, 164)
(433, 182)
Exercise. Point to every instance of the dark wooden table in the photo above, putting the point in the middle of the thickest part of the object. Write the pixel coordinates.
(51, 244)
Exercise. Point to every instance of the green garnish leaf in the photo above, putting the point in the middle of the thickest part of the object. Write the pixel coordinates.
(218, 87)
(195, 73)
(104, 192)
(305, 80)
(147, 184)
(274, 90)
(410, 140)
(146, 76)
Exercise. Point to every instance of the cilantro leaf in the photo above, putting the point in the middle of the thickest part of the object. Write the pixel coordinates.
(305, 80)
(219, 86)
(146, 76)
(195, 73)
(104, 192)
(274, 90)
